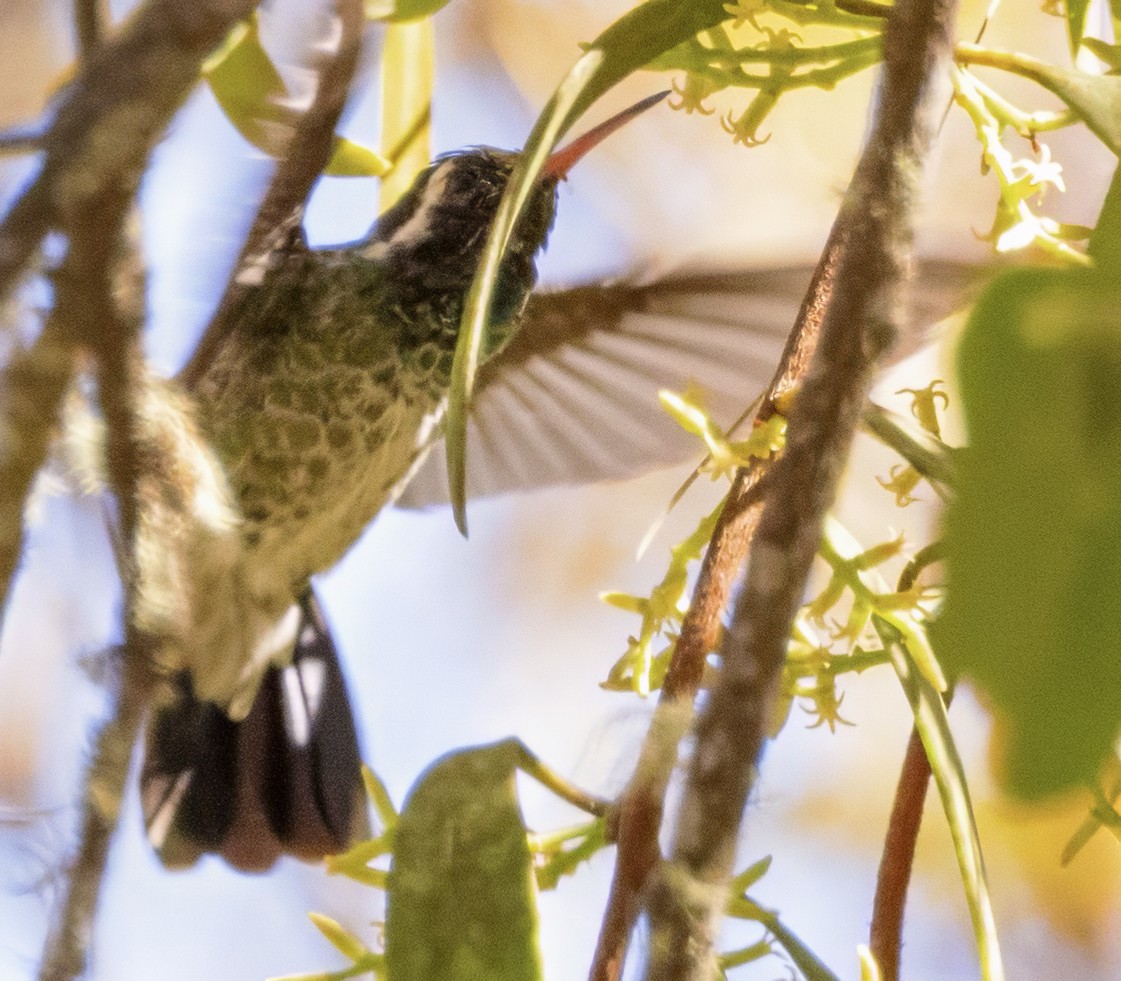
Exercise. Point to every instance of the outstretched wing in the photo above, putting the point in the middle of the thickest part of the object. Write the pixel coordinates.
(573, 398)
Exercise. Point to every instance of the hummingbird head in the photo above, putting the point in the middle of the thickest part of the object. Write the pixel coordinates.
(432, 239)
(430, 242)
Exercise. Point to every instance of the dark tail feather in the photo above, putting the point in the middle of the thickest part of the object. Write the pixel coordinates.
(285, 780)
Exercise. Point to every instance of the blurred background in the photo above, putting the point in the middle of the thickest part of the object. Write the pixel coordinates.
(449, 643)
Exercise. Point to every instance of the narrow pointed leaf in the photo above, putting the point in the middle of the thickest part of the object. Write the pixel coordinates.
(629, 44)
(407, 76)
(1076, 22)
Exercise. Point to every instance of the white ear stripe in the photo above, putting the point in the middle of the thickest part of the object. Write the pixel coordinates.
(415, 228)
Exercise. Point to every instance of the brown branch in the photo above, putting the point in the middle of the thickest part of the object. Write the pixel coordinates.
(111, 115)
(886, 934)
(90, 18)
(22, 139)
(281, 210)
(31, 390)
(687, 898)
(639, 812)
(100, 293)
(85, 191)
(898, 856)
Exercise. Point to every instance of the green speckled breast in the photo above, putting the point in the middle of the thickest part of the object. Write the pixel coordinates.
(314, 407)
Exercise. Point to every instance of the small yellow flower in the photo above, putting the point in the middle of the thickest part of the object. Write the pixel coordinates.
(696, 89)
(745, 12)
(902, 479)
(924, 405)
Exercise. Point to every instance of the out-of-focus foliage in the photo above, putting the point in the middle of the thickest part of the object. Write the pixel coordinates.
(1034, 614)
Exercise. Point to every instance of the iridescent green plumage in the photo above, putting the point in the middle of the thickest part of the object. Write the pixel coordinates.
(318, 404)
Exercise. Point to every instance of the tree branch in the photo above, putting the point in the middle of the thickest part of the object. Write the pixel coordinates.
(100, 283)
(111, 115)
(894, 876)
(85, 189)
(687, 898)
(90, 18)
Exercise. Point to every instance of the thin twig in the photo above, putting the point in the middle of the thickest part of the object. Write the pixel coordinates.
(120, 365)
(898, 856)
(894, 878)
(31, 390)
(687, 898)
(111, 115)
(22, 139)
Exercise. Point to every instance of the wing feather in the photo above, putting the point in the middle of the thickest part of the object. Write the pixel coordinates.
(573, 397)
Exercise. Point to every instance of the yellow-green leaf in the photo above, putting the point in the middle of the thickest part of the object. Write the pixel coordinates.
(350, 159)
(402, 10)
(407, 76)
(340, 937)
(250, 90)
(462, 900)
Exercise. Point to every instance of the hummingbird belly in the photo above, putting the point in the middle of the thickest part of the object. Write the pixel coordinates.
(314, 427)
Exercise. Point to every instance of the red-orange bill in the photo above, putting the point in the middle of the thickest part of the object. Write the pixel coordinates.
(562, 161)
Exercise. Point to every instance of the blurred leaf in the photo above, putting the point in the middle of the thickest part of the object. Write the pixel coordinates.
(402, 10)
(1109, 53)
(350, 159)
(1105, 242)
(250, 90)
(253, 96)
(748, 877)
(1076, 22)
(407, 75)
(462, 900)
(1033, 614)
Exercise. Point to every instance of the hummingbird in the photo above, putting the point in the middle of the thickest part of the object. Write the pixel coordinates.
(290, 433)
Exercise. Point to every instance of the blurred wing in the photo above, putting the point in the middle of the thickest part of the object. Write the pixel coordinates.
(573, 398)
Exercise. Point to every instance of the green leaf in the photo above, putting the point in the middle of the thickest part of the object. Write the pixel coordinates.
(1076, 22)
(1033, 614)
(462, 902)
(350, 159)
(1109, 53)
(629, 44)
(252, 94)
(250, 90)
(402, 10)
(1105, 242)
